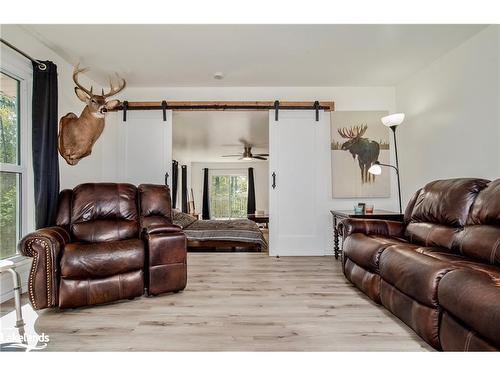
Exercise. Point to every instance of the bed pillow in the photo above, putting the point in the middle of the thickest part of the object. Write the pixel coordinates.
(182, 219)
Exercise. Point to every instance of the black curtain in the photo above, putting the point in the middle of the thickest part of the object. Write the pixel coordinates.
(205, 213)
(44, 143)
(184, 189)
(175, 177)
(251, 192)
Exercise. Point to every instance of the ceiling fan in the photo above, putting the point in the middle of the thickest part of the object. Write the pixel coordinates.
(247, 155)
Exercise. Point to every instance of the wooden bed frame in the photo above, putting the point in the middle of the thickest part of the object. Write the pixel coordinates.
(210, 245)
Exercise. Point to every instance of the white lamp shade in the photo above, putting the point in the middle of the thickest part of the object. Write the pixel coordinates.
(375, 169)
(393, 120)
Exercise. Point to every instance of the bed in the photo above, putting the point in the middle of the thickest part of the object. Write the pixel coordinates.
(206, 235)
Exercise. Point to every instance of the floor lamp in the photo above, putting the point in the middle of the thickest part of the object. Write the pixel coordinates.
(392, 122)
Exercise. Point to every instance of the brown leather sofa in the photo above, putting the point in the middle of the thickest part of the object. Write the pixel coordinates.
(439, 270)
(110, 242)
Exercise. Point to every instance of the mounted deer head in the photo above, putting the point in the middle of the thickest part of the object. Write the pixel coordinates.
(367, 151)
(77, 135)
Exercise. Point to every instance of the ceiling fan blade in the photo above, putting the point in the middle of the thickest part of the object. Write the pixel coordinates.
(261, 154)
(259, 157)
(230, 156)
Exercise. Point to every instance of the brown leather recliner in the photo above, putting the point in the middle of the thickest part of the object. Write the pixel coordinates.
(109, 242)
(439, 270)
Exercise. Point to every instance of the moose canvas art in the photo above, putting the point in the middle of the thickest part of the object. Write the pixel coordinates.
(358, 139)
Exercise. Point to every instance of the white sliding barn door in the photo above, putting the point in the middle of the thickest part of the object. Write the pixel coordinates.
(299, 155)
(146, 148)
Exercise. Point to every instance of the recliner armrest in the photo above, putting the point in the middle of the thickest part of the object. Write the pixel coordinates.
(161, 228)
(45, 247)
(387, 228)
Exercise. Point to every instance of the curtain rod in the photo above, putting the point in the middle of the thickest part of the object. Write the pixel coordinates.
(41, 65)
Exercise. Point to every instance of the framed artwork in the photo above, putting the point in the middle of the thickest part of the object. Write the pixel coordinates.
(358, 139)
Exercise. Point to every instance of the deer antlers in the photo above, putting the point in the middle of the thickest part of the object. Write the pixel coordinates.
(353, 132)
(113, 90)
(77, 71)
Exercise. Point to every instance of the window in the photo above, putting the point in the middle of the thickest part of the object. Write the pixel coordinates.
(228, 196)
(12, 162)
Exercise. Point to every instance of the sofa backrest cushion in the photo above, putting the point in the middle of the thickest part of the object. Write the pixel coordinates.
(447, 202)
(431, 235)
(63, 218)
(486, 207)
(481, 236)
(104, 212)
(411, 204)
(155, 205)
(441, 210)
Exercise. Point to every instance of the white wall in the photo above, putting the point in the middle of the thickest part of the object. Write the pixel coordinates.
(261, 177)
(452, 126)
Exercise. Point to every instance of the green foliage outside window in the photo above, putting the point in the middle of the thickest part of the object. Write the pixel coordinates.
(228, 197)
(9, 181)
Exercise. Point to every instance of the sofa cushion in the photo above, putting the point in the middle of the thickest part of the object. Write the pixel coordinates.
(368, 282)
(104, 212)
(155, 205)
(365, 250)
(453, 336)
(458, 260)
(416, 275)
(75, 293)
(96, 260)
(424, 320)
(433, 235)
(447, 202)
(486, 207)
(480, 239)
(480, 242)
(474, 298)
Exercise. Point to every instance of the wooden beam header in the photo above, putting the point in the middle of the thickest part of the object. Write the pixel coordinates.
(223, 105)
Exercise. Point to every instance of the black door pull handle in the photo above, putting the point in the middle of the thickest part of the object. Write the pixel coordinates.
(274, 180)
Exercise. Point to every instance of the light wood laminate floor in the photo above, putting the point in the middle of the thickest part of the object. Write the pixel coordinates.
(235, 302)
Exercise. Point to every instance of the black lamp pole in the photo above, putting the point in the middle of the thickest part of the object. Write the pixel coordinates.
(393, 128)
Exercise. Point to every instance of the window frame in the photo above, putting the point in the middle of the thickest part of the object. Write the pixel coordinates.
(21, 69)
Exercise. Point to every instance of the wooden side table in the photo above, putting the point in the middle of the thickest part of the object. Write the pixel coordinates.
(339, 215)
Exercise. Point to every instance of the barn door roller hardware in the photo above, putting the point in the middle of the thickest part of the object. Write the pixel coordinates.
(316, 106)
(124, 109)
(164, 109)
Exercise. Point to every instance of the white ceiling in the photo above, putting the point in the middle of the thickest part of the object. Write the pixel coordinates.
(205, 136)
(253, 55)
